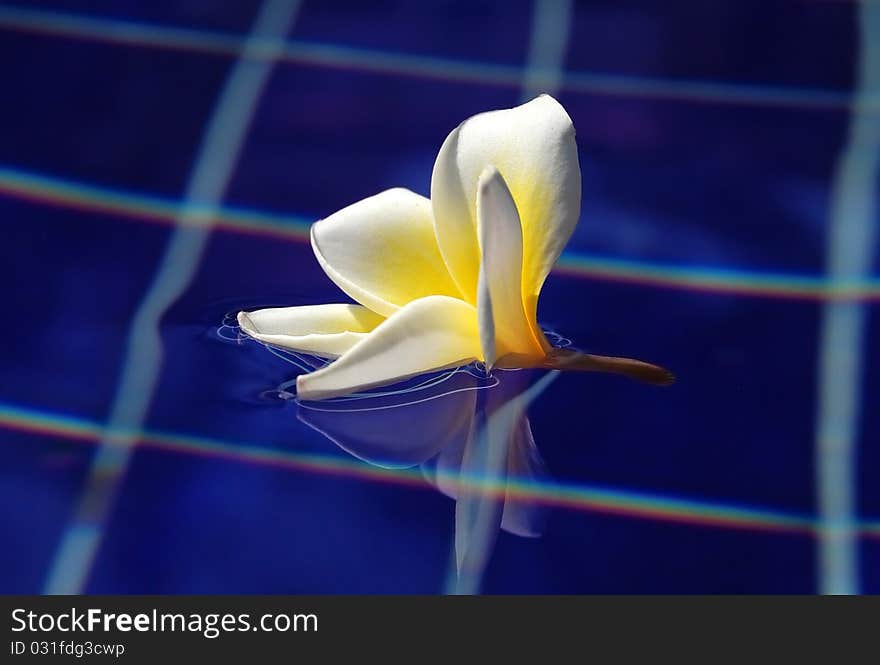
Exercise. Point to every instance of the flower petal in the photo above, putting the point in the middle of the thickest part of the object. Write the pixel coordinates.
(382, 251)
(479, 507)
(381, 434)
(521, 516)
(427, 334)
(533, 146)
(323, 330)
(504, 328)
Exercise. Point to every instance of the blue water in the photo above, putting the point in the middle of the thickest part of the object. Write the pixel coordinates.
(682, 181)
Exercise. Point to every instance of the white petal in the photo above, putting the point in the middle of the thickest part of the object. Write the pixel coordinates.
(381, 432)
(322, 330)
(431, 333)
(504, 328)
(443, 470)
(382, 251)
(523, 517)
(479, 505)
(533, 146)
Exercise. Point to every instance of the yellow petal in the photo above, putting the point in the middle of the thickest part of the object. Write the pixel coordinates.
(428, 334)
(322, 330)
(533, 146)
(382, 251)
(504, 328)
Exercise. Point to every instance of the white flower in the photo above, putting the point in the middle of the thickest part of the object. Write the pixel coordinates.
(450, 280)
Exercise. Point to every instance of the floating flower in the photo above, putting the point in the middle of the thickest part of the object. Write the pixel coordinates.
(451, 280)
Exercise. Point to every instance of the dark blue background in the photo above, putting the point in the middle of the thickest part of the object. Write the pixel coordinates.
(678, 180)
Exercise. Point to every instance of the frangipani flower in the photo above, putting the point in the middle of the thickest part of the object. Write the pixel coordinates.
(451, 280)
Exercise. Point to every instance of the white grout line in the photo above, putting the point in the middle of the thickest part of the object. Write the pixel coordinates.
(852, 237)
(216, 159)
(343, 56)
(548, 41)
(545, 67)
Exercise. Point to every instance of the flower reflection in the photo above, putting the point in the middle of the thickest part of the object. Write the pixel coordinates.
(471, 437)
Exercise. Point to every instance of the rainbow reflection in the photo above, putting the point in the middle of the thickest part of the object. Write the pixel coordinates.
(338, 56)
(69, 194)
(639, 505)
